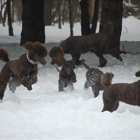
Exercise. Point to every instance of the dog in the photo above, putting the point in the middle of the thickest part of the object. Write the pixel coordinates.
(96, 79)
(77, 45)
(23, 71)
(121, 92)
(67, 75)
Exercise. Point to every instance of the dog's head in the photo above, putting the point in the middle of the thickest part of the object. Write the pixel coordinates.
(37, 51)
(56, 56)
(4, 55)
(68, 66)
(106, 79)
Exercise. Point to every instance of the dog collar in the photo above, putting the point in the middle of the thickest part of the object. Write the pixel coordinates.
(30, 60)
(61, 50)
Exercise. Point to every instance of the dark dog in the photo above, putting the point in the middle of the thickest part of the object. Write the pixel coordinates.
(123, 92)
(67, 75)
(23, 70)
(77, 45)
(96, 79)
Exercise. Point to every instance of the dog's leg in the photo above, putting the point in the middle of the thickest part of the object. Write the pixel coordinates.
(75, 58)
(14, 83)
(60, 85)
(32, 80)
(95, 90)
(4, 78)
(71, 86)
(110, 105)
(115, 107)
(86, 84)
(102, 60)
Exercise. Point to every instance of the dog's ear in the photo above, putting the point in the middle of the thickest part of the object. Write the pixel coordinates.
(111, 75)
(53, 51)
(63, 59)
(73, 63)
(28, 46)
(82, 61)
(39, 49)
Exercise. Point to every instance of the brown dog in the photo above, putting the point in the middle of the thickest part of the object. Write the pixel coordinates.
(77, 45)
(23, 70)
(121, 92)
(96, 79)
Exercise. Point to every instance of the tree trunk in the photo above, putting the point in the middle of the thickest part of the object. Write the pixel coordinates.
(48, 12)
(3, 12)
(59, 14)
(13, 10)
(63, 11)
(9, 18)
(85, 17)
(33, 28)
(70, 17)
(95, 16)
(112, 10)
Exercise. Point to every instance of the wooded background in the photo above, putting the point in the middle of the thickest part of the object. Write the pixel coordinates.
(36, 14)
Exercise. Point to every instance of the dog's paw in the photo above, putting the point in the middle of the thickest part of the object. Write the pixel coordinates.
(29, 88)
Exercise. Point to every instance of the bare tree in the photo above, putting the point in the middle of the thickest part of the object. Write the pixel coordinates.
(113, 13)
(48, 12)
(3, 12)
(9, 18)
(33, 28)
(95, 16)
(71, 21)
(85, 17)
(59, 14)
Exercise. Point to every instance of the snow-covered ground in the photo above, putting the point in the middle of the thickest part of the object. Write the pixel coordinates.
(45, 113)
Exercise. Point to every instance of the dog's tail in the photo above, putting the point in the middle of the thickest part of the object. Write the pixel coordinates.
(57, 69)
(4, 55)
(108, 28)
(137, 74)
(84, 64)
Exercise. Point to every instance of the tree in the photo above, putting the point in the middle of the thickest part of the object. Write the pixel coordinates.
(33, 28)
(95, 16)
(85, 17)
(70, 17)
(3, 12)
(112, 10)
(9, 18)
(48, 12)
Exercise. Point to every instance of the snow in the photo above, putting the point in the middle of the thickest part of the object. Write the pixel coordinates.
(45, 113)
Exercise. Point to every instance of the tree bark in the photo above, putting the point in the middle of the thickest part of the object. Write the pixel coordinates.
(70, 17)
(59, 14)
(85, 17)
(95, 16)
(48, 12)
(33, 28)
(9, 18)
(112, 10)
